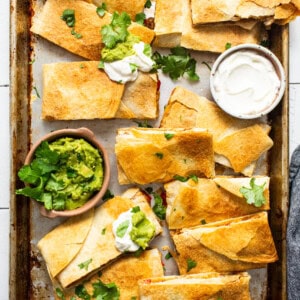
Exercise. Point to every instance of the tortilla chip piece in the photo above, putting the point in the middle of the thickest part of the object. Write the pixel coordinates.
(88, 23)
(194, 203)
(146, 155)
(63, 243)
(79, 90)
(232, 245)
(125, 273)
(205, 286)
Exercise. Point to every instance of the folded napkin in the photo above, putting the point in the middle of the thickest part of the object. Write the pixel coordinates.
(293, 229)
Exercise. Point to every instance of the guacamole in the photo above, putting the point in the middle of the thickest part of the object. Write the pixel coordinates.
(64, 174)
(142, 230)
(121, 50)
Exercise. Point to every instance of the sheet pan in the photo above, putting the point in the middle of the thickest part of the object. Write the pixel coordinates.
(28, 276)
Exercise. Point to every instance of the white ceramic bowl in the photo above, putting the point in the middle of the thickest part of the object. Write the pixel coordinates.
(261, 51)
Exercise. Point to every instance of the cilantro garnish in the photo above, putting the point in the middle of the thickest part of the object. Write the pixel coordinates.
(158, 207)
(36, 92)
(168, 136)
(148, 4)
(32, 62)
(143, 124)
(168, 256)
(103, 231)
(190, 264)
(122, 228)
(184, 179)
(227, 46)
(203, 222)
(135, 209)
(108, 195)
(176, 64)
(140, 18)
(255, 194)
(82, 293)
(116, 31)
(105, 291)
(159, 155)
(101, 9)
(85, 264)
(60, 294)
(69, 17)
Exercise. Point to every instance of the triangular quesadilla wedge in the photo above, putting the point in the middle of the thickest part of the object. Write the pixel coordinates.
(146, 155)
(232, 245)
(63, 243)
(206, 286)
(234, 144)
(124, 273)
(88, 23)
(193, 203)
(79, 90)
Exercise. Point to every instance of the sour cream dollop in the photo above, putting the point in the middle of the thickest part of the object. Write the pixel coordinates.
(126, 69)
(124, 243)
(245, 83)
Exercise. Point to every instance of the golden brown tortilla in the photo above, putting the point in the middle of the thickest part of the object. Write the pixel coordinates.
(206, 286)
(145, 155)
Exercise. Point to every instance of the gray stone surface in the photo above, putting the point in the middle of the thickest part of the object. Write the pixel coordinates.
(293, 229)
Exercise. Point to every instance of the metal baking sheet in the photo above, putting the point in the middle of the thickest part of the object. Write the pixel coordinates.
(28, 275)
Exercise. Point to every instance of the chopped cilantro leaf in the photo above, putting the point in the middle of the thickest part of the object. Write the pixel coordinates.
(133, 67)
(108, 195)
(85, 265)
(180, 178)
(36, 91)
(190, 264)
(255, 194)
(140, 18)
(101, 9)
(104, 291)
(168, 136)
(158, 207)
(60, 294)
(103, 231)
(159, 155)
(227, 46)
(69, 17)
(135, 209)
(168, 256)
(116, 31)
(203, 222)
(122, 228)
(176, 64)
(143, 124)
(82, 293)
(148, 4)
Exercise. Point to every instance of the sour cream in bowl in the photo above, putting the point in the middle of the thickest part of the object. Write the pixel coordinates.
(247, 81)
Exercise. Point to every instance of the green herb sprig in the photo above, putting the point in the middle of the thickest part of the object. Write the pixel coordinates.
(255, 194)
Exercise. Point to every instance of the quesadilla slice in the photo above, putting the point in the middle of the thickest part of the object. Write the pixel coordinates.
(238, 144)
(88, 23)
(205, 286)
(147, 155)
(231, 245)
(62, 244)
(193, 203)
(98, 248)
(174, 27)
(79, 90)
(124, 273)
